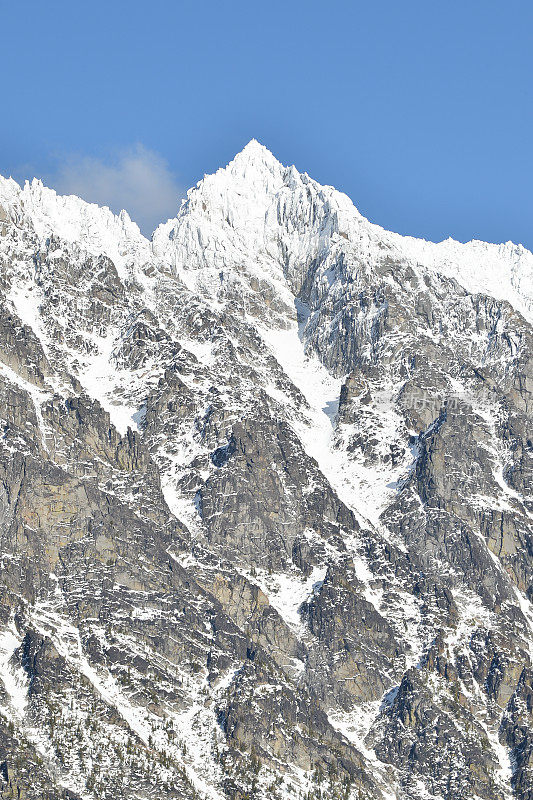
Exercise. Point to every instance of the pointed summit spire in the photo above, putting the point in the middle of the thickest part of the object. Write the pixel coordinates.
(255, 153)
(254, 147)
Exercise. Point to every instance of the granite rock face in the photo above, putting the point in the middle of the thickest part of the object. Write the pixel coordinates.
(265, 501)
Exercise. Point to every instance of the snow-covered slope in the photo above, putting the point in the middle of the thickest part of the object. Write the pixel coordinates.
(260, 217)
(94, 229)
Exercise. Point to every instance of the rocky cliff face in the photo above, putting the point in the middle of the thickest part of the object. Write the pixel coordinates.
(265, 501)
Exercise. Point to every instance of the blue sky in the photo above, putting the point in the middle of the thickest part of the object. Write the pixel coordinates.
(421, 111)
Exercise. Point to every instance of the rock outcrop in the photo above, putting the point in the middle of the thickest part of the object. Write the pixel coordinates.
(265, 501)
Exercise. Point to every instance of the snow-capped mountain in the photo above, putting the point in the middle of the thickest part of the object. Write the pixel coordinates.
(265, 501)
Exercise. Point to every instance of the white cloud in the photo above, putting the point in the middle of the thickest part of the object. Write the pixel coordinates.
(136, 179)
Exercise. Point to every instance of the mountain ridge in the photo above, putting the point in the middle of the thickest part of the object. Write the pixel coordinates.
(442, 255)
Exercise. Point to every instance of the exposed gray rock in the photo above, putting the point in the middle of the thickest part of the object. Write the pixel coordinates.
(265, 502)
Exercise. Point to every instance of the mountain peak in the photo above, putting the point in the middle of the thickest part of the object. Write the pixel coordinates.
(255, 154)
